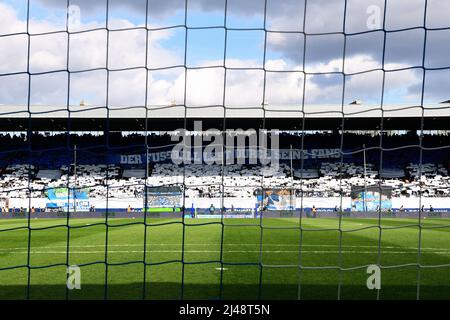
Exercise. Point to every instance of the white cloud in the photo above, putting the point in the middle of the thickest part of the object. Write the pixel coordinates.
(9, 22)
(204, 86)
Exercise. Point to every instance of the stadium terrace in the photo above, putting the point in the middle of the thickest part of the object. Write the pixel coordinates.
(315, 177)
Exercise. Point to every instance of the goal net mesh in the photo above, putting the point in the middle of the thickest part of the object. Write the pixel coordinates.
(110, 64)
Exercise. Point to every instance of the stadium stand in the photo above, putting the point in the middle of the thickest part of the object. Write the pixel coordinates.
(318, 175)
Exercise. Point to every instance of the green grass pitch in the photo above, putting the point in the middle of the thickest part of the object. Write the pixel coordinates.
(245, 247)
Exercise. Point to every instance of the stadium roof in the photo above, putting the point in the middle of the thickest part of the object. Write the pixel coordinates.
(316, 117)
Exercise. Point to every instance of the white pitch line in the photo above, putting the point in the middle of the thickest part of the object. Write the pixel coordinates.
(218, 251)
(225, 244)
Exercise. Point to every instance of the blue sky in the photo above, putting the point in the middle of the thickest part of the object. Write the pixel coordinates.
(203, 44)
(245, 48)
